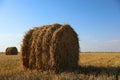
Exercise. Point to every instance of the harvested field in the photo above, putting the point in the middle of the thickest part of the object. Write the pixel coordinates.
(90, 68)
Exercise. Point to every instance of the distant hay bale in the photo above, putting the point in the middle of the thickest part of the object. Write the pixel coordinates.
(11, 51)
(50, 47)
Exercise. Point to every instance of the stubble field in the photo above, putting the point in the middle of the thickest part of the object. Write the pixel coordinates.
(92, 66)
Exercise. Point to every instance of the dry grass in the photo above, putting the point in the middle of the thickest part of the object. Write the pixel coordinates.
(100, 59)
(94, 66)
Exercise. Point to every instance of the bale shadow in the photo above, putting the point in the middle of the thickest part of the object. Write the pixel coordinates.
(92, 70)
(99, 70)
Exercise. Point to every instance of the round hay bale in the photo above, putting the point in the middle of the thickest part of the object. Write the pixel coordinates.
(11, 51)
(50, 47)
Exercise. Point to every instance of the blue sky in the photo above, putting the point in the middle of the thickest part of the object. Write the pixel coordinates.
(97, 22)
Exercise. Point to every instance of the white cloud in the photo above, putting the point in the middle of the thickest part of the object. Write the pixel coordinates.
(100, 45)
(114, 41)
(7, 40)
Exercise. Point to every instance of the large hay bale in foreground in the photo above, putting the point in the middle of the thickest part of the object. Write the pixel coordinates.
(11, 51)
(50, 47)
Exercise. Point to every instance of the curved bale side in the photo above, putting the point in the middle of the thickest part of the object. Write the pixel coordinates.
(26, 48)
(11, 51)
(43, 53)
(50, 47)
(36, 49)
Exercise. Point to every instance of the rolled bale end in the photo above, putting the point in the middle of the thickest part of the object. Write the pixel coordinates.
(64, 48)
(11, 51)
